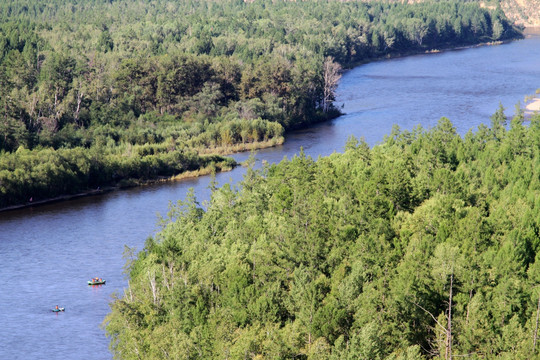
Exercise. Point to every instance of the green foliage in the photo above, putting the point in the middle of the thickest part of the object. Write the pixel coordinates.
(354, 256)
(208, 76)
(30, 176)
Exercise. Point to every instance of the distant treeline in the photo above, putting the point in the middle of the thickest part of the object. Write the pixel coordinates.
(423, 247)
(199, 73)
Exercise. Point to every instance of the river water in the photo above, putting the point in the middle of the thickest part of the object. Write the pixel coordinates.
(48, 253)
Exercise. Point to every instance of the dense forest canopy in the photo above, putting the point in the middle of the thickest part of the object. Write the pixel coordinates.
(177, 79)
(424, 246)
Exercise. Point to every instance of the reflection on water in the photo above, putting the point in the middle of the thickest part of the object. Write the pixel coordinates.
(48, 253)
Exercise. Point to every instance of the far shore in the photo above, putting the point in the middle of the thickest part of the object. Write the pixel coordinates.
(534, 105)
(441, 49)
(28, 204)
(128, 183)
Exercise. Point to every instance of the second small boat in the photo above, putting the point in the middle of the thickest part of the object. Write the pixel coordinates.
(96, 282)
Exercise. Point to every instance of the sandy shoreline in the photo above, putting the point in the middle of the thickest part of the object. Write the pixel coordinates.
(534, 105)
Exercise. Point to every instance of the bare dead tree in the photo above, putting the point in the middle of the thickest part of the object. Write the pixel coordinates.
(331, 76)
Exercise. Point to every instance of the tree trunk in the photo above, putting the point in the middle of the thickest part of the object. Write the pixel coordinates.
(536, 328)
(331, 78)
(449, 327)
(153, 286)
(79, 101)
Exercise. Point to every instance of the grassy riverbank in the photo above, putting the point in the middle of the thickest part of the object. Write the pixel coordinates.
(212, 157)
(213, 168)
(31, 177)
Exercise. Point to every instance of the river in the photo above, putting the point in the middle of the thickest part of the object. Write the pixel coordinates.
(47, 253)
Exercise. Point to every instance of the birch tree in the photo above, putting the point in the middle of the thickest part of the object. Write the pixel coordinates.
(331, 76)
(447, 264)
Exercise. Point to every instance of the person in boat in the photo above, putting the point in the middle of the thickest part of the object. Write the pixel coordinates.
(56, 307)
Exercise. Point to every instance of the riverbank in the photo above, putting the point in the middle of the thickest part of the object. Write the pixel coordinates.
(129, 183)
(125, 184)
(532, 103)
(236, 148)
(533, 106)
(391, 56)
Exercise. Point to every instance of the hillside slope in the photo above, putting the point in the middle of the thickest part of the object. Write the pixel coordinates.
(522, 12)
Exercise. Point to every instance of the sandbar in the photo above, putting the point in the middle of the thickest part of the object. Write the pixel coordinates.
(534, 105)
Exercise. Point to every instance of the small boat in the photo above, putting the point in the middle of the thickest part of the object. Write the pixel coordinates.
(58, 309)
(96, 282)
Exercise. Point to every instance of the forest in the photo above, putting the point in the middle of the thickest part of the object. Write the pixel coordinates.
(422, 247)
(105, 93)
